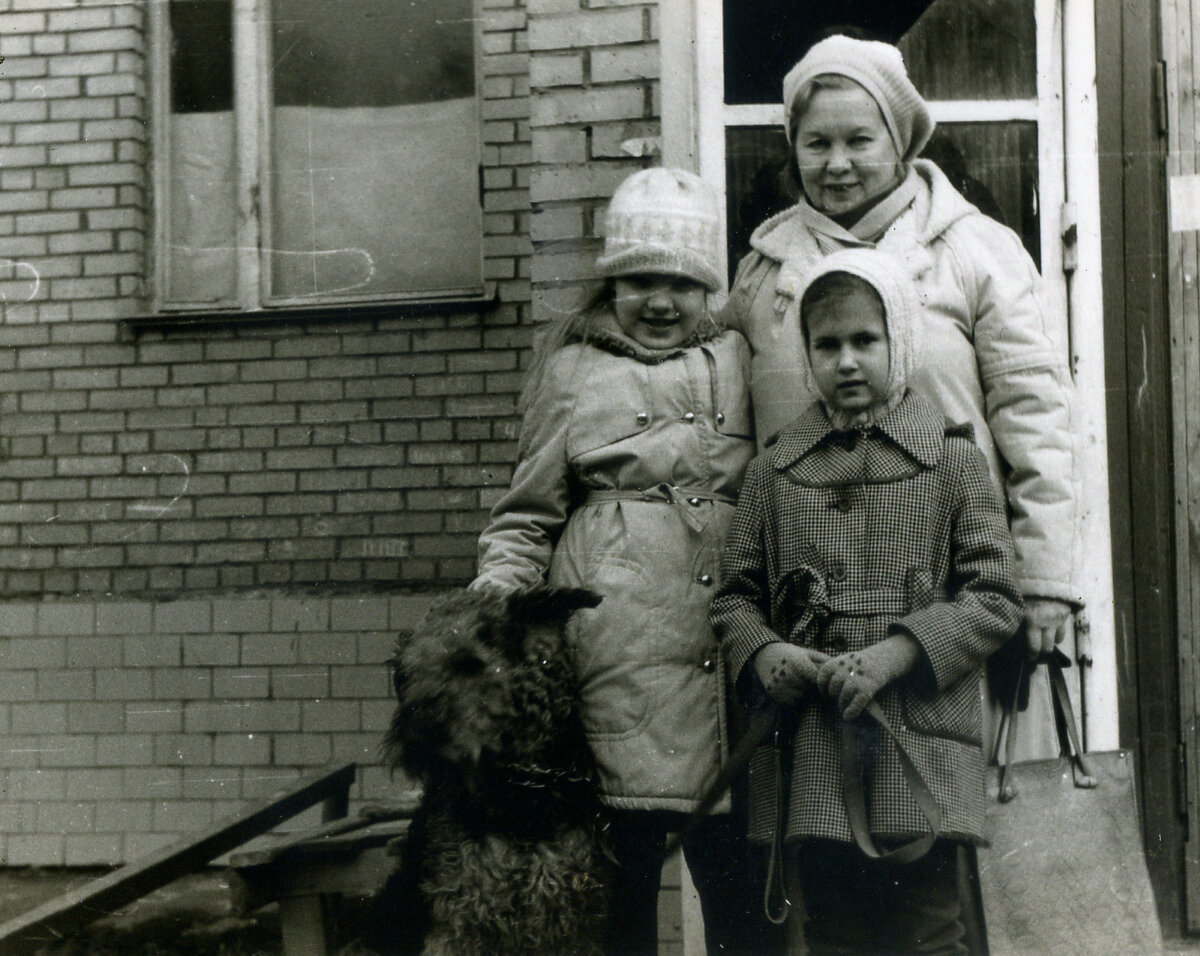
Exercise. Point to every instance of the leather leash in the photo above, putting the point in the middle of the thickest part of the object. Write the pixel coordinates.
(760, 725)
(854, 794)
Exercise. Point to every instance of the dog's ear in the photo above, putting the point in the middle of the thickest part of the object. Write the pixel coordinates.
(546, 604)
(398, 676)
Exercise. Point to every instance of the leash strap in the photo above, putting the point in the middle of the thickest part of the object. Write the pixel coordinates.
(776, 902)
(854, 794)
(760, 725)
(1064, 724)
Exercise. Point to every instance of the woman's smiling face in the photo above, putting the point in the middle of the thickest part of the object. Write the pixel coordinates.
(844, 151)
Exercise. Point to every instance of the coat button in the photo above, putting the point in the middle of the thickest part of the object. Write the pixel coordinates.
(694, 502)
(720, 418)
(706, 580)
(642, 418)
(837, 571)
(689, 417)
(709, 666)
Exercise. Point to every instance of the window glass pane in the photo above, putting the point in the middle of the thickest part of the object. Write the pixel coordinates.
(200, 242)
(955, 49)
(993, 164)
(374, 148)
(973, 50)
(757, 182)
(764, 38)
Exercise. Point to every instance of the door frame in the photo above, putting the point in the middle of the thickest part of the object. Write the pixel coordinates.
(1137, 366)
(693, 135)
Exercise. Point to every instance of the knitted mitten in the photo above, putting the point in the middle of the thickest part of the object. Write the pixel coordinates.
(787, 671)
(852, 680)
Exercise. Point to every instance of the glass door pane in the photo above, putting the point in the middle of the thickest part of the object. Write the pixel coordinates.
(974, 50)
(954, 49)
(994, 165)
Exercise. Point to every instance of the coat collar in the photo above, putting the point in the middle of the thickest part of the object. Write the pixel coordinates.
(913, 425)
(926, 190)
(606, 334)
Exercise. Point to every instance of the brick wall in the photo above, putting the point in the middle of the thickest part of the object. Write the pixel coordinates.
(594, 120)
(129, 723)
(358, 454)
(72, 160)
(199, 525)
(343, 453)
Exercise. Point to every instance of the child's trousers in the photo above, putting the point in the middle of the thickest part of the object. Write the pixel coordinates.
(726, 870)
(857, 906)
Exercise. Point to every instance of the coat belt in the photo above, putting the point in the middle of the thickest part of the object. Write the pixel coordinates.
(685, 500)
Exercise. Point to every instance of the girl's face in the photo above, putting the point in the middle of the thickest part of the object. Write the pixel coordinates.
(659, 311)
(845, 153)
(848, 350)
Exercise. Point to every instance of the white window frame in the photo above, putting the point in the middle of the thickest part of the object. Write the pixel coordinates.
(252, 137)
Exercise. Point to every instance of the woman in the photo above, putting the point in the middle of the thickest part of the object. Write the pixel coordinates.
(990, 353)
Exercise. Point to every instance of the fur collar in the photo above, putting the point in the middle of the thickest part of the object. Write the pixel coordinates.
(604, 333)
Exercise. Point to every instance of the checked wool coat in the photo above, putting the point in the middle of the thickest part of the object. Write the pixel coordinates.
(841, 539)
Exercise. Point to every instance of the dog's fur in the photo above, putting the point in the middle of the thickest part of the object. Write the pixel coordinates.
(503, 856)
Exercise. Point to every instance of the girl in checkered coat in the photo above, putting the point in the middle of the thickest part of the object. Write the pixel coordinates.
(869, 561)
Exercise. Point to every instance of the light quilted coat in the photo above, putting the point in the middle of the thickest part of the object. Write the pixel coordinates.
(629, 464)
(841, 539)
(989, 353)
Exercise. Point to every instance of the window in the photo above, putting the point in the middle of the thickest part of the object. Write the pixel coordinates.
(317, 151)
(999, 118)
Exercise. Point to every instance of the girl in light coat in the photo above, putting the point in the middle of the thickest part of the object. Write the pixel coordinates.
(636, 434)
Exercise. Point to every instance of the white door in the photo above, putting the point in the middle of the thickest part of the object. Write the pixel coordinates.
(1011, 84)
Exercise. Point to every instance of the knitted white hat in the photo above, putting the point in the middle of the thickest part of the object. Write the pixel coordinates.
(891, 278)
(879, 69)
(666, 221)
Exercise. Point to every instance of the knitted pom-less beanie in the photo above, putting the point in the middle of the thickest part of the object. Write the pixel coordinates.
(892, 279)
(879, 69)
(666, 221)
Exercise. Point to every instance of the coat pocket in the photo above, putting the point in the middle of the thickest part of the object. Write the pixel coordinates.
(614, 648)
(609, 409)
(954, 714)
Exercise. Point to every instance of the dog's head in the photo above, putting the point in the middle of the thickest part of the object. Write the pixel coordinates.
(485, 678)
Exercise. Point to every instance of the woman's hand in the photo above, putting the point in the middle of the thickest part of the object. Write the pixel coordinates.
(1045, 624)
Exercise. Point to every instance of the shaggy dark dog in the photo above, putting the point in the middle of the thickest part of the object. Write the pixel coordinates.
(503, 856)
